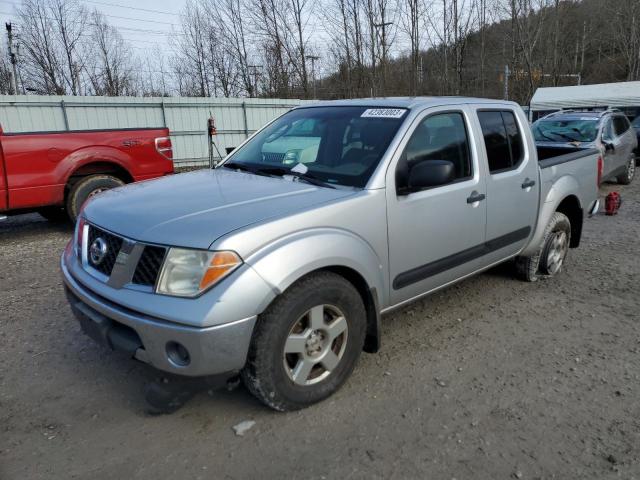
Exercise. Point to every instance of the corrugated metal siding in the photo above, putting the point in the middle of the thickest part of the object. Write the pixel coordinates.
(623, 94)
(185, 117)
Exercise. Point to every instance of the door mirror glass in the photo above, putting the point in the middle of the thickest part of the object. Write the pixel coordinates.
(431, 173)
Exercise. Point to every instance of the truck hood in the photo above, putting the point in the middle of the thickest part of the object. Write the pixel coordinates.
(194, 209)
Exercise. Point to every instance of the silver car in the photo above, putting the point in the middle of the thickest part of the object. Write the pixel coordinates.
(608, 131)
(279, 263)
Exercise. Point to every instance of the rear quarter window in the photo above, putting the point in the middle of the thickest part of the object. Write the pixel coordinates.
(502, 139)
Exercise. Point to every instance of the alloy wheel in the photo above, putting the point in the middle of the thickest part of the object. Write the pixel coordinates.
(557, 252)
(315, 345)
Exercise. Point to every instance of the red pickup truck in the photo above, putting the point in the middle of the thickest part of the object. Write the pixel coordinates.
(53, 173)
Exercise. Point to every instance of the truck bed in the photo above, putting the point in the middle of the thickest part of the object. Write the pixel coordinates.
(37, 168)
(549, 156)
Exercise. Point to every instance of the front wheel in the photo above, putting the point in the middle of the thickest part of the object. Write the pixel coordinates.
(88, 187)
(549, 259)
(627, 177)
(307, 343)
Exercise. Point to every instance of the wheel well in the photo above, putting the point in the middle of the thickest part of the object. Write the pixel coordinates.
(570, 206)
(98, 168)
(372, 340)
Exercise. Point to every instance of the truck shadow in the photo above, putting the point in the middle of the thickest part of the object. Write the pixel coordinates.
(31, 225)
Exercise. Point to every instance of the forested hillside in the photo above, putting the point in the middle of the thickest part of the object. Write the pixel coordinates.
(325, 48)
(563, 43)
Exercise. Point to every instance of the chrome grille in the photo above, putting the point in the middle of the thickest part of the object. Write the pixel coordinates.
(113, 242)
(149, 265)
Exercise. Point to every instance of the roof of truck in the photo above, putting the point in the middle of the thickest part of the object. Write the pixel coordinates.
(404, 102)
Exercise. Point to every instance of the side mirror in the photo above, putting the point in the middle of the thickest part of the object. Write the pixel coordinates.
(608, 146)
(430, 173)
(229, 149)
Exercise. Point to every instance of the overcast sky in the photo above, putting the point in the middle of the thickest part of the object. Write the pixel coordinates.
(144, 23)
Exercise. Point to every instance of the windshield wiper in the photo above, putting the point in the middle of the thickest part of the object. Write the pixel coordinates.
(264, 171)
(277, 171)
(307, 177)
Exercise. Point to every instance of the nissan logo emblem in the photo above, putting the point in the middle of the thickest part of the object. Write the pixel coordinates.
(97, 251)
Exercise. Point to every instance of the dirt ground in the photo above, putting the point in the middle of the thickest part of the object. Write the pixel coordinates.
(490, 379)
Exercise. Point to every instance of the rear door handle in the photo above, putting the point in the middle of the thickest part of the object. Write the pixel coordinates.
(475, 197)
(528, 183)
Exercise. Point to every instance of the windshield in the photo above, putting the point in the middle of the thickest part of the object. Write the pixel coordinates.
(337, 145)
(566, 130)
(636, 122)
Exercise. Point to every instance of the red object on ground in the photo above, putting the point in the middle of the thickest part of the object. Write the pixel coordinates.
(38, 169)
(612, 203)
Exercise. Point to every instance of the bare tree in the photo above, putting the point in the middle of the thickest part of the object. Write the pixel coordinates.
(411, 15)
(109, 68)
(5, 72)
(230, 20)
(193, 48)
(44, 70)
(625, 27)
(70, 19)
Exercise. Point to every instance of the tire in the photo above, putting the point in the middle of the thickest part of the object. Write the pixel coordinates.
(54, 214)
(540, 264)
(87, 187)
(627, 177)
(284, 381)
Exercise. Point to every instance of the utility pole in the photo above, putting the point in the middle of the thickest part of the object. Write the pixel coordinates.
(507, 72)
(254, 69)
(12, 58)
(313, 59)
(383, 26)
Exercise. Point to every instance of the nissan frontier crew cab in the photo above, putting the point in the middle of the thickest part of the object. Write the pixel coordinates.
(278, 264)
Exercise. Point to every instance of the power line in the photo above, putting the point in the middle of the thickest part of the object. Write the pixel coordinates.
(134, 19)
(108, 4)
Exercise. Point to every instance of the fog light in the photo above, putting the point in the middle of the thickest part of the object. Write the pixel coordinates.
(178, 354)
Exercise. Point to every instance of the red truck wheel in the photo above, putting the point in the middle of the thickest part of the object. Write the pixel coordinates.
(87, 187)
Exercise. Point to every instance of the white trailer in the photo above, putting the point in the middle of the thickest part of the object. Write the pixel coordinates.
(622, 95)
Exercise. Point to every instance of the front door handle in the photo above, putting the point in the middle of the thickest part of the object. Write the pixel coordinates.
(528, 183)
(475, 197)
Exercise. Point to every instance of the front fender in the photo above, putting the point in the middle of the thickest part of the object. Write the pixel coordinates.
(561, 189)
(289, 258)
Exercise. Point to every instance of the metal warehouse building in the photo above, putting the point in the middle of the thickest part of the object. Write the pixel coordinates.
(623, 95)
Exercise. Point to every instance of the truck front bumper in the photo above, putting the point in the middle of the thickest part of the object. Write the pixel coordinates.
(174, 348)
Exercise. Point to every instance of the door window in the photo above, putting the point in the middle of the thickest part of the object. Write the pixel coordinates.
(441, 136)
(607, 131)
(620, 125)
(502, 139)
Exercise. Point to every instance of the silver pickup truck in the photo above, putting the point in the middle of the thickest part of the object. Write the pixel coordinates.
(278, 265)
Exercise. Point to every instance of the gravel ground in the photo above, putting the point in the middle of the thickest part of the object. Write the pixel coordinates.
(492, 378)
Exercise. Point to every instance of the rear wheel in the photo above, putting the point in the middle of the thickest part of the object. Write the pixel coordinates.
(549, 259)
(307, 343)
(627, 177)
(86, 188)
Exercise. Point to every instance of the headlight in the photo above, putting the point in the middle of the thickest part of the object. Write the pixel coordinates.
(187, 273)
